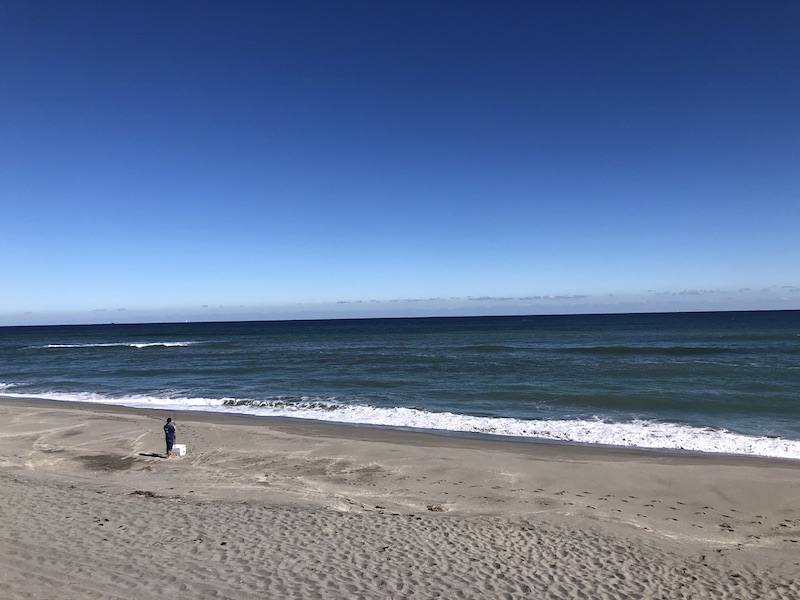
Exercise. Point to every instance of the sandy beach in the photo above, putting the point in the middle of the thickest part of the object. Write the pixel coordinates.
(259, 508)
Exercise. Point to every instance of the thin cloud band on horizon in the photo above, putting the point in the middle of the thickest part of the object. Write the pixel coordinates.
(567, 297)
(775, 297)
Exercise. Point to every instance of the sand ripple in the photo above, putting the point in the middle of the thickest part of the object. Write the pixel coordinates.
(66, 542)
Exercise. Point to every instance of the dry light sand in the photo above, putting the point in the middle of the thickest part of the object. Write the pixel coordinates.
(280, 509)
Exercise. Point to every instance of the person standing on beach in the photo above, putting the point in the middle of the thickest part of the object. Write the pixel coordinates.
(169, 433)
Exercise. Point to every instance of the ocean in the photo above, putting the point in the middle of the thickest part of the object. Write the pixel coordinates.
(722, 382)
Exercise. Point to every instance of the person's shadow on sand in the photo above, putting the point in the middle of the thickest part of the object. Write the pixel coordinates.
(152, 455)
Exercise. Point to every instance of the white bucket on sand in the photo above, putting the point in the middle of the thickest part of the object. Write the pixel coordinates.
(179, 450)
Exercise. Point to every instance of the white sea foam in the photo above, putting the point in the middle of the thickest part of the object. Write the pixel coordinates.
(635, 434)
(121, 345)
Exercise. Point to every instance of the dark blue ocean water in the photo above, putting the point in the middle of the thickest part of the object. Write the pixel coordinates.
(714, 382)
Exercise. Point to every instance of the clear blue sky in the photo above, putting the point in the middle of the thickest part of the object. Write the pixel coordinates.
(229, 160)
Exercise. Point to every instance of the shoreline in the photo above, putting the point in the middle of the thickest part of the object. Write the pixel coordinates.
(280, 491)
(345, 427)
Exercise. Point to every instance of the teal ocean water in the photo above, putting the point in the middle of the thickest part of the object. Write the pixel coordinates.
(724, 382)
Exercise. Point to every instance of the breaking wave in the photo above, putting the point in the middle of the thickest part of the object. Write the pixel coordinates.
(118, 345)
(637, 433)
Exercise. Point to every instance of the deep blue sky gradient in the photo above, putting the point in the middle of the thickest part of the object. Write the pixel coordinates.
(224, 160)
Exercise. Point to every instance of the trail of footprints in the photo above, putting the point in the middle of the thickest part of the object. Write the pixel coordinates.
(441, 494)
(754, 527)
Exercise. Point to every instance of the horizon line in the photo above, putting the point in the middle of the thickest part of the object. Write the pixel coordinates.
(409, 318)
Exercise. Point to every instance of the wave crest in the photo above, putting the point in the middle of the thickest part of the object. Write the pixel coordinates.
(117, 345)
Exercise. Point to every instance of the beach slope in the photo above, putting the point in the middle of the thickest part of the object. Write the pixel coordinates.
(280, 509)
